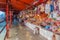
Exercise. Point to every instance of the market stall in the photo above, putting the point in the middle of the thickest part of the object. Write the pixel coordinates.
(46, 19)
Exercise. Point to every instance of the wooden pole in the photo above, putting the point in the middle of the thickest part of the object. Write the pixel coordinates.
(11, 18)
(7, 25)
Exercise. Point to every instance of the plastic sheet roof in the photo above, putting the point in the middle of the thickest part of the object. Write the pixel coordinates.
(21, 4)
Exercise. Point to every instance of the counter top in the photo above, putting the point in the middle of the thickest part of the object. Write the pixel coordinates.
(34, 23)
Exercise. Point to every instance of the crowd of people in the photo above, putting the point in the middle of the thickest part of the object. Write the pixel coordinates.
(50, 7)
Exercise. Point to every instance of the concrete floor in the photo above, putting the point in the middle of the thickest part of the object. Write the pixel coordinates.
(23, 33)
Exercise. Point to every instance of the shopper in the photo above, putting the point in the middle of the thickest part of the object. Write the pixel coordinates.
(36, 30)
(51, 6)
(58, 3)
(54, 14)
(54, 27)
(55, 5)
(42, 8)
(47, 7)
(47, 27)
(54, 36)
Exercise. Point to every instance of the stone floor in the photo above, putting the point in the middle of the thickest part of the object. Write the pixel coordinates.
(23, 33)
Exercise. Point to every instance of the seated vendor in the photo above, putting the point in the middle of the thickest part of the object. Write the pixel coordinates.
(53, 27)
(48, 26)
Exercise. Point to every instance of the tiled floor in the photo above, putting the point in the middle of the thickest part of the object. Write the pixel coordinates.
(22, 33)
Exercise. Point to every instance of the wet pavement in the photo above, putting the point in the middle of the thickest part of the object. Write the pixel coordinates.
(23, 33)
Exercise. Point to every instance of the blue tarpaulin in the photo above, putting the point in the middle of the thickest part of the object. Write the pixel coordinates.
(3, 33)
(15, 22)
(2, 25)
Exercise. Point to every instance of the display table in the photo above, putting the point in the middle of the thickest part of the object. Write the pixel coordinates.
(45, 33)
(31, 26)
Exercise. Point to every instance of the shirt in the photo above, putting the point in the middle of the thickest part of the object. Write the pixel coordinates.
(51, 8)
(55, 14)
(41, 8)
(47, 8)
(47, 27)
(58, 3)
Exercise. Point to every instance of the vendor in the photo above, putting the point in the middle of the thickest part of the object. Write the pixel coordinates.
(54, 14)
(47, 7)
(48, 26)
(54, 27)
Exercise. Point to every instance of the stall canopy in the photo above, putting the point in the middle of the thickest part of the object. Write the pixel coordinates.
(2, 4)
(21, 4)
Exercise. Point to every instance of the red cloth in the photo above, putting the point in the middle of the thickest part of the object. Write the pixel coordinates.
(57, 23)
(7, 27)
(41, 1)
